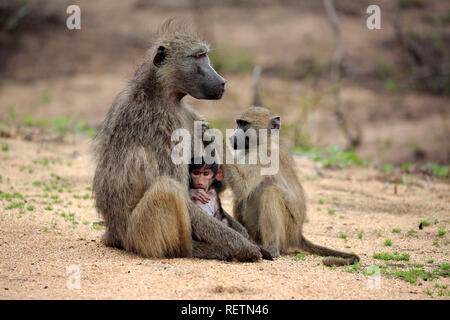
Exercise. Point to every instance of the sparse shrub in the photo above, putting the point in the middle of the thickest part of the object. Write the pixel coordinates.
(229, 59)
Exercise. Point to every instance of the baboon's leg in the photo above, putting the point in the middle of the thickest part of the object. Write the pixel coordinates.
(159, 226)
(205, 250)
(216, 232)
(271, 226)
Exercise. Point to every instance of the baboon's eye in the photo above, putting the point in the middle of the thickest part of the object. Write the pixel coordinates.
(199, 55)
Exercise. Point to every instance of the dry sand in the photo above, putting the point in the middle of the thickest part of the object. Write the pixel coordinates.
(37, 246)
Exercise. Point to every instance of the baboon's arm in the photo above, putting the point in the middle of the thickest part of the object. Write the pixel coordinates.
(234, 224)
(235, 178)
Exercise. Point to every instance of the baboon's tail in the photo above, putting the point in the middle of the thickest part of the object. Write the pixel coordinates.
(344, 258)
(256, 92)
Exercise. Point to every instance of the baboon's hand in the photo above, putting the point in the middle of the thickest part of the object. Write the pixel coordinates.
(265, 254)
(250, 254)
(200, 195)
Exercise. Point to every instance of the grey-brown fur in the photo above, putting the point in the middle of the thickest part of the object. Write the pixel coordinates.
(272, 207)
(141, 194)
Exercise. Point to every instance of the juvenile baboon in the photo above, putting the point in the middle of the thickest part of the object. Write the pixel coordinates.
(271, 207)
(141, 194)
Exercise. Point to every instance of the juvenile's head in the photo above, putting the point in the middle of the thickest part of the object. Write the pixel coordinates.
(203, 172)
(254, 118)
(182, 63)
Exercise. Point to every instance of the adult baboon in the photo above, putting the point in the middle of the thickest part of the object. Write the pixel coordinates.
(141, 194)
(271, 207)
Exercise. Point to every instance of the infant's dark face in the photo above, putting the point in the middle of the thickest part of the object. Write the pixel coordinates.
(202, 178)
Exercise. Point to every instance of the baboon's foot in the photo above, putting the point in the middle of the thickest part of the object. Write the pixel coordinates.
(109, 241)
(106, 239)
(273, 250)
(265, 254)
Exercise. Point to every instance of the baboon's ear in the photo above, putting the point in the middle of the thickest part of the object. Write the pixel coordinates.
(160, 56)
(219, 175)
(276, 122)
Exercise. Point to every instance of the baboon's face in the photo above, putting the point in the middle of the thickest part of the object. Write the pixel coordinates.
(240, 139)
(246, 136)
(202, 178)
(188, 62)
(205, 82)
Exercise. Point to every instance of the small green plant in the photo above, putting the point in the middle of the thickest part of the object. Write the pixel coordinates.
(97, 226)
(333, 157)
(396, 230)
(390, 85)
(436, 243)
(14, 205)
(407, 166)
(387, 168)
(353, 269)
(299, 256)
(378, 234)
(388, 256)
(342, 236)
(425, 223)
(428, 292)
(443, 270)
(430, 261)
(360, 235)
(5, 147)
(46, 97)
(439, 171)
(30, 208)
(320, 201)
(331, 211)
(412, 231)
(388, 243)
(441, 232)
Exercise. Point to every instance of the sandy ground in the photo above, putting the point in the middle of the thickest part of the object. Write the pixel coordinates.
(56, 229)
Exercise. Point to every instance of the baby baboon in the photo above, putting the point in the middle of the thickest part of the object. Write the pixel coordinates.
(271, 207)
(206, 178)
(141, 194)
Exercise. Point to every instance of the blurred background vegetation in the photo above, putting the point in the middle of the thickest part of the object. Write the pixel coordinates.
(388, 107)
